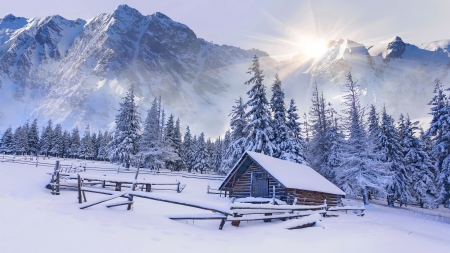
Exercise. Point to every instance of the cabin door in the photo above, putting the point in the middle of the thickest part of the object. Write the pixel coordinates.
(260, 184)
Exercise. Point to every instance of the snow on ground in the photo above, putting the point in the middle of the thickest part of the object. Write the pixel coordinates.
(33, 220)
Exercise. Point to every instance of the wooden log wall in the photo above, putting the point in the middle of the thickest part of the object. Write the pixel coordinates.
(312, 198)
(242, 186)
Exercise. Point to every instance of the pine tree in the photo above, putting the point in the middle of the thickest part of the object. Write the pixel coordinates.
(201, 155)
(57, 141)
(125, 142)
(86, 150)
(66, 144)
(103, 147)
(280, 130)
(158, 151)
(359, 172)
(236, 147)
(373, 122)
(418, 164)
(75, 143)
(24, 145)
(440, 132)
(188, 148)
(33, 138)
(47, 136)
(295, 147)
(7, 146)
(218, 154)
(260, 132)
(389, 145)
(18, 140)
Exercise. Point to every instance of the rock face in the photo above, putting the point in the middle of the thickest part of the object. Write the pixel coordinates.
(75, 72)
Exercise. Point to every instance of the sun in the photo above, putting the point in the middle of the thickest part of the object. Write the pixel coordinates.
(313, 48)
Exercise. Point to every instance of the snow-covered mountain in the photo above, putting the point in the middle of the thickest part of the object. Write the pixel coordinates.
(391, 72)
(75, 72)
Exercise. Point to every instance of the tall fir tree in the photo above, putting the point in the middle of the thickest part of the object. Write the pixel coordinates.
(236, 146)
(359, 172)
(7, 146)
(86, 150)
(33, 138)
(260, 132)
(418, 164)
(188, 148)
(47, 136)
(75, 143)
(439, 132)
(389, 145)
(295, 149)
(57, 141)
(280, 129)
(125, 142)
(201, 155)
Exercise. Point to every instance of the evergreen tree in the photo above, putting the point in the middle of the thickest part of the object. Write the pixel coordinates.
(359, 172)
(103, 146)
(86, 150)
(389, 144)
(24, 145)
(18, 141)
(47, 136)
(260, 132)
(57, 141)
(201, 155)
(75, 143)
(33, 138)
(439, 131)
(237, 138)
(418, 164)
(280, 130)
(188, 148)
(295, 147)
(66, 144)
(126, 135)
(373, 122)
(7, 146)
(218, 154)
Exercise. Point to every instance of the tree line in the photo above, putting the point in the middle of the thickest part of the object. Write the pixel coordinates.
(363, 151)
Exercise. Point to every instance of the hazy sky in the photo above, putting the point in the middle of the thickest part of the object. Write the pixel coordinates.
(277, 27)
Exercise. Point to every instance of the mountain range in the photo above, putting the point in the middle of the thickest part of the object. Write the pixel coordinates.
(76, 71)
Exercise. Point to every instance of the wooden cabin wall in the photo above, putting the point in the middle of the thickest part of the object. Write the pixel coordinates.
(242, 186)
(312, 198)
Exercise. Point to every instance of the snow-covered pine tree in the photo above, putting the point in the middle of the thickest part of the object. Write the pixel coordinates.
(57, 141)
(188, 149)
(259, 129)
(359, 172)
(125, 142)
(33, 138)
(103, 148)
(24, 145)
(439, 131)
(418, 164)
(75, 143)
(319, 123)
(66, 144)
(7, 146)
(295, 151)
(374, 124)
(178, 147)
(280, 130)
(47, 136)
(18, 141)
(157, 151)
(236, 146)
(218, 153)
(388, 142)
(201, 155)
(85, 150)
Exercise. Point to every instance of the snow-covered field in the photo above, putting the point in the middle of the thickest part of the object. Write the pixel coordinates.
(33, 220)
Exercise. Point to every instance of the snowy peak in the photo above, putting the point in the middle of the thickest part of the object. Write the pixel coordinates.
(389, 49)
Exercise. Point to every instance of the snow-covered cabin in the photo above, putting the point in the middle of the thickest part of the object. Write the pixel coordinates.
(256, 174)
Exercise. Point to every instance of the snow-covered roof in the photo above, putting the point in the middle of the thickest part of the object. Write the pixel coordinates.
(295, 175)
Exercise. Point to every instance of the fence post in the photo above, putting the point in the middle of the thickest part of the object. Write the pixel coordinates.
(178, 187)
(57, 183)
(79, 189)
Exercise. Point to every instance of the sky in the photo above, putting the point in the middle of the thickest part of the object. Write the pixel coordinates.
(282, 28)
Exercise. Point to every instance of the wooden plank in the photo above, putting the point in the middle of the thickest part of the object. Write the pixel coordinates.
(119, 204)
(307, 225)
(86, 205)
(274, 216)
